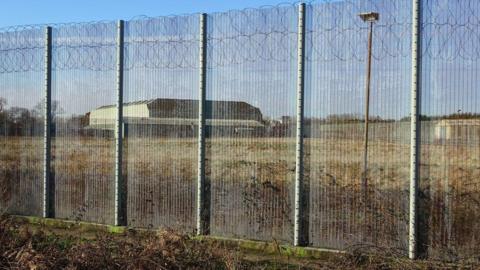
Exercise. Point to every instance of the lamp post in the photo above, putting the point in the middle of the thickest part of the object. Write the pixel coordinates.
(369, 18)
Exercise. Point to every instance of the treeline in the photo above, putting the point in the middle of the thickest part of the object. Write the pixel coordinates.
(353, 118)
(452, 116)
(17, 121)
(346, 118)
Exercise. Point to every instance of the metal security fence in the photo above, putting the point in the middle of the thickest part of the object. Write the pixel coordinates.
(82, 158)
(162, 77)
(21, 121)
(254, 124)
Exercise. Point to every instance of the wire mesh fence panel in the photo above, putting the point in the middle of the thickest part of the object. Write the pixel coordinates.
(83, 98)
(250, 112)
(161, 121)
(352, 205)
(356, 181)
(21, 121)
(450, 129)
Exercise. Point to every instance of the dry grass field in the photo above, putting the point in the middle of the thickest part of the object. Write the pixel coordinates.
(21, 170)
(59, 245)
(252, 188)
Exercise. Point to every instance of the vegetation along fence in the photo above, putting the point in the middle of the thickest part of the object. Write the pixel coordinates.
(251, 124)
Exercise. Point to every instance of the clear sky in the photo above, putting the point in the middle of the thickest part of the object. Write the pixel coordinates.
(252, 56)
(20, 12)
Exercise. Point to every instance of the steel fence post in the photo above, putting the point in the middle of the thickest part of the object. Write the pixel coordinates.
(48, 187)
(299, 237)
(203, 210)
(415, 128)
(120, 189)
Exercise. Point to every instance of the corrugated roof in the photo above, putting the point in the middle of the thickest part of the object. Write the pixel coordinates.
(129, 103)
(188, 108)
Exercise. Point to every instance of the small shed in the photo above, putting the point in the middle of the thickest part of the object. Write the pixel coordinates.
(465, 131)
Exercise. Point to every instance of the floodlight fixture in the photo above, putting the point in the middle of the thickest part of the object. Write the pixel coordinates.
(369, 16)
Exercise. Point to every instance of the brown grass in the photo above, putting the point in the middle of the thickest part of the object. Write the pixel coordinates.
(252, 188)
(29, 246)
(24, 248)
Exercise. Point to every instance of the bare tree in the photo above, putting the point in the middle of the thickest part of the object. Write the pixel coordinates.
(3, 117)
(3, 104)
(5, 187)
(38, 110)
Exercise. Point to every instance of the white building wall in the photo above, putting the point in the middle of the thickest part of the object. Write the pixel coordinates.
(104, 116)
(140, 110)
(107, 116)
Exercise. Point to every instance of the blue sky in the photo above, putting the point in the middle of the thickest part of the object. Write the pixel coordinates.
(246, 65)
(20, 12)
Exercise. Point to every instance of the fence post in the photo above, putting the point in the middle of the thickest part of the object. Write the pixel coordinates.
(48, 185)
(203, 209)
(120, 190)
(415, 127)
(299, 235)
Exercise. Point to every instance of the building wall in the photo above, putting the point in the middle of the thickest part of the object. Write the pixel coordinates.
(108, 115)
(458, 131)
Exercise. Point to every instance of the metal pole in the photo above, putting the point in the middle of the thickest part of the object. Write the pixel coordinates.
(203, 214)
(120, 190)
(414, 126)
(48, 187)
(367, 112)
(299, 237)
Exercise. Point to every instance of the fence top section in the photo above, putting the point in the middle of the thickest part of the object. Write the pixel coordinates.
(333, 21)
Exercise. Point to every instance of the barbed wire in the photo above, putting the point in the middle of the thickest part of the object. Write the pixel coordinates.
(84, 46)
(338, 34)
(163, 42)
(451, 29)
(334, 33)
(21, 51)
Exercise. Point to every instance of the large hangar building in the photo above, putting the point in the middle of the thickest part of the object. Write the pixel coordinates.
(179, 118)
